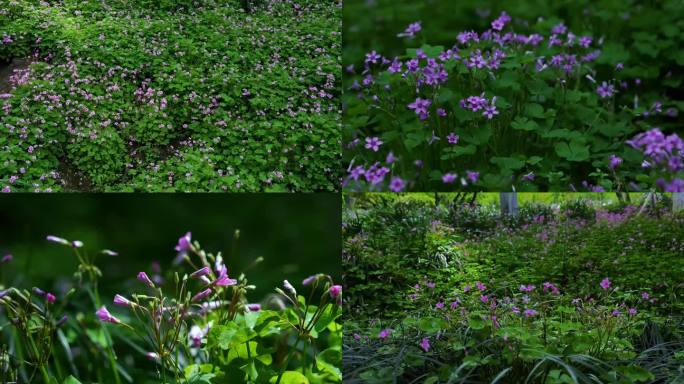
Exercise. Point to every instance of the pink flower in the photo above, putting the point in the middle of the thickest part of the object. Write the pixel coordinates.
(385, 333)
(104, 315)
(605, 283)
(184, 242)
(335, 291)
(223, 280)
(120, 300)
(50, 298)
(201, 295)
(425, 344)
(142, 276)
(57, 240)
(201, 272)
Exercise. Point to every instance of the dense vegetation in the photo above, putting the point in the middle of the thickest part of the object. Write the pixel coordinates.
(139, 95)
(531, 95)
(571, 292)
(194, 325)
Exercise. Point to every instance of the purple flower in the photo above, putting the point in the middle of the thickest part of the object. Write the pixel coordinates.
(310, 280)
(255, 307)
(632, 311)
(122, 301)
(223, 280)
(57, 240)
(549, 287)
(559, 29)
(61, 321)
(201, 272)
(454, 304)
(585, 41)
(605, 283)
(527, 288)
(448, 178)
(152, 356)
(201, 295)
(484, 298)
(645, 295)
(335, 291)
(616, 312)
(50, 297)
(397, 184)
(605, 90)
(480, 286)
(425, 344)
(452, 138)
(373, 143)
(390, 158)
(142, 277)
(289, 288)
(473, 176)
(6, 259)
(530, 312)
(385, 333)
(411, 30)
(439, 305)
(490, 111)
(372, 58)
(420, 106)
(614, 162)
(184, 243)
(104, 315)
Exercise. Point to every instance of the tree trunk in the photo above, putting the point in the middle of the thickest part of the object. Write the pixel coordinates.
(677, 201)
(509, 203)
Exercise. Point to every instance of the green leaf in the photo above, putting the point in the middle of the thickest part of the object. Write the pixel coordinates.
(534, 110)
(636, 374)
(229, 335)
(290, 377)
(613, 53)
(71, 380)
(431, 324)
(573, 151)
(453, 152)
(329, 361)
(475, 321)
(523, 124)
(507, 163)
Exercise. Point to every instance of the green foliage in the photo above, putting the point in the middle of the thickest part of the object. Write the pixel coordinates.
(454, 274)
(143, 95)
(547, 112)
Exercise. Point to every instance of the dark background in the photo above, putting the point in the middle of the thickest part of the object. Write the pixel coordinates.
(298, 235)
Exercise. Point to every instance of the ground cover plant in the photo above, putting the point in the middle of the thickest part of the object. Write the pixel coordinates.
(237, 95)
(444, 290)
(580, 95)
(194, 326)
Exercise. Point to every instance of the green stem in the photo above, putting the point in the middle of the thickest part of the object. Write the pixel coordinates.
(287, 360)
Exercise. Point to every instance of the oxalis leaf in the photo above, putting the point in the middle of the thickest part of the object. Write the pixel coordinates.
(573, 151)
(229, 335)
(290, 377)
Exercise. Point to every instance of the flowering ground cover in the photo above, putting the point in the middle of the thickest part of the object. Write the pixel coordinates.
(580, 95)
(141, 95)
(180, 312)
(577, 291)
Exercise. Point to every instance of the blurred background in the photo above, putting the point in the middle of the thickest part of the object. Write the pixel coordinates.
(298, 235)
